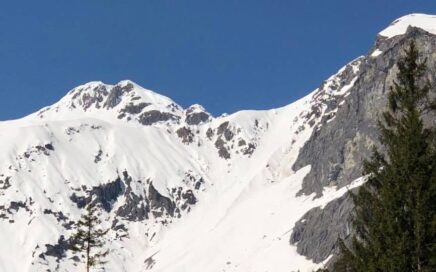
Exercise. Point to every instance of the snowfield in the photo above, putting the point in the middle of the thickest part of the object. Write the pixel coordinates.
(243, 213)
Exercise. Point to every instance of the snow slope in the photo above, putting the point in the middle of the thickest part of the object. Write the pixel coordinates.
(226, 188)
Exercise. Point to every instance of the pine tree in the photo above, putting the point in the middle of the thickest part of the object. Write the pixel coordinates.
(395, 210)
(88, 240)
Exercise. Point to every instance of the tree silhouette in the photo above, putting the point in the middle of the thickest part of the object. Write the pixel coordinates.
(88, 239)
(395, 210)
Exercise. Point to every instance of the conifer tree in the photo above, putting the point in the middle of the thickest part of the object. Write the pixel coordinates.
(395, 210)
(88, 240)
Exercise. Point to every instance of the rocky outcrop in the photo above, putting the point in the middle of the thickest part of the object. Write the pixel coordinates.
(316, 233)
(104, 195)
(337, 148)
(159, 204)
(196, 115)
(81, 97)
(115, 94)
(185, 134)
(132, 109)
(231, 139)
(154, 116)
(58, 250)
(136, 206)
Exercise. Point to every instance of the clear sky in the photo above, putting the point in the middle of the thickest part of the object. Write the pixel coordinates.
(225, 55)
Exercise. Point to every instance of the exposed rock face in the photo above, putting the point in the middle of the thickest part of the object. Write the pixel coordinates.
(123, 101)
(58, 250)
(224, 134)
(115, 94)
(99, 95)
(185, 134)
(159, 203)
(222, 150)
(225, 131)
(136, 206)
(148, 204)
(230, 139)
(154, 116)
(196, 115)
(132, 109)
(316, 233)
(197, 118)
(337, 149)
(104, 195)
(87, 99)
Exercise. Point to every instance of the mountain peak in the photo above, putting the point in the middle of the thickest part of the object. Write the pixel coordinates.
(125, 100)
(400, 25)
(103, 95)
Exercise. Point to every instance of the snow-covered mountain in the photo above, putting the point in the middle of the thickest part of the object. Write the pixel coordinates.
(182, 190)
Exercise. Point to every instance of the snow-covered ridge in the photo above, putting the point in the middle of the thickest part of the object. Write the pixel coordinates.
(191, 176)
(123, 102)
(399, 26)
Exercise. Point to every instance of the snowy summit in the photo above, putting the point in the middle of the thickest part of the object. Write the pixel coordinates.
(399, 26)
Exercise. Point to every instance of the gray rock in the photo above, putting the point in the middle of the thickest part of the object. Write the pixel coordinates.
(114, 97)
(154, 116)
(97, 157)
(136, 207)
(224, 134)
(317, 232)
(57, 250)
(150, 262)
(115, 94)
(197, 118)
(105, 195)
(186, 135)
(222, 150)
(86, 100)
(189, 197)
(159, 203)
(224, 129)
(336, 149)
(209, 133)
(14, 206)
(5, 184)
(139, 207)
(133, 109)
(49, 146)
(249, 149)
(196, 115)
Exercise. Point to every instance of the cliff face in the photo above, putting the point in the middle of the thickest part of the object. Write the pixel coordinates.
(337, 149)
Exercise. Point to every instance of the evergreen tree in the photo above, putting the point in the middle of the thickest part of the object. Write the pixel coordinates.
(395, 210)
(88, 239)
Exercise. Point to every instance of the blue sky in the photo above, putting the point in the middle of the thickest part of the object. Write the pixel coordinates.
(225, 55)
